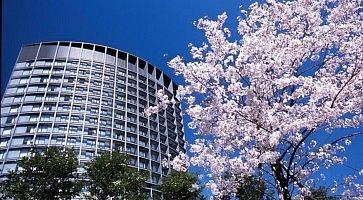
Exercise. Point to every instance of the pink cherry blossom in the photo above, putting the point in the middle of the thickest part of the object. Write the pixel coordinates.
(258, 104)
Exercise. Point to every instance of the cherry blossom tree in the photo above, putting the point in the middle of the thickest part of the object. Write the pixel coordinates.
(269, 103)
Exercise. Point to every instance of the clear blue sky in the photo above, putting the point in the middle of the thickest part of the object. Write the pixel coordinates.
(148, 29)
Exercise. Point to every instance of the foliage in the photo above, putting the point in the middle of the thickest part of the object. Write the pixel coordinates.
(271, 101)
(47, 175)
(320, 194)
(252, 188)
(181, 186)
(111, 177)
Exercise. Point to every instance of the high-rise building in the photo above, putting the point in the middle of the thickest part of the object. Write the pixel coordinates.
(92, 98)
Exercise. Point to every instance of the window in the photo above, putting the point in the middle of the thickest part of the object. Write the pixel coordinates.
(89, 143)
(7, 131)
(143, 164)
(155, 178)
(154, 135)
(118, 135)
(23, 153)
(155, 167)
(105, 133)
(87, 154)
(53, 88)
(104, 145)
(9, 167)
(131, 138)
(61, 118)
(75, 130)
(44, 129)
(154, 146)
(131, 118)
(131, 149)
(143, 143)
(36, 107)
(23, 80)
(3, 143)
(17, 141)
(119, 125)
(41, 140)
(28, 141)
(10, 119)
(92, 120)
(154, 156)
(46, 118)
(59, 129)
(143, 154)
(23, 118)
(49, 107)
(73, 141)
(11, 90)
(14, 109)
(58, 140)
(5, 110)
(90, 131)
(133, 161)
(131, 128)
(8, 100)
(20, 129)
(76, 119)
(51, 98)
(18, 99)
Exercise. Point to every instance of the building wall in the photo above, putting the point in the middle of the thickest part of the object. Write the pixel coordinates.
(92, 98)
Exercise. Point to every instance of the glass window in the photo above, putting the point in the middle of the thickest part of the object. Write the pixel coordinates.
(3, 143)
(14, 109)
(7, 130)
(52, 88)
(154, 156)
(90, 131)
(59, 129)
(8, 100)
(2, 155)
(36, 107)
(131, 149)
(105, 133)
(23, 118)
(49, 107)
(44, 128)
(58, 140)
(17, 141)
(14, 81)
(143, 164)
(11, 90)
(18, 99)
(131, 138)
(46, 118)
(28, 141)
(24, 153)
(41, 140)
(73, 141)
(9, 167)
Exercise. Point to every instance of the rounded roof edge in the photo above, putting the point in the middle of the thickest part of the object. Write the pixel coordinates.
(96, 44)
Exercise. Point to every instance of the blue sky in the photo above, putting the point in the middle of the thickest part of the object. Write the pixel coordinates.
(148, 29)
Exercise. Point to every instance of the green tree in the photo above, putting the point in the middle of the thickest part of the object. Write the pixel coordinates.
(253, 188)
(111, 177)
(179, 186)
(48, 175)
(320, 193)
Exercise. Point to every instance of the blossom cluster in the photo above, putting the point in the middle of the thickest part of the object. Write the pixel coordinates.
(261, 105)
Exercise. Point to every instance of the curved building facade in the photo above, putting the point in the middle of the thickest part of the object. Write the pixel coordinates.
(92, 98)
